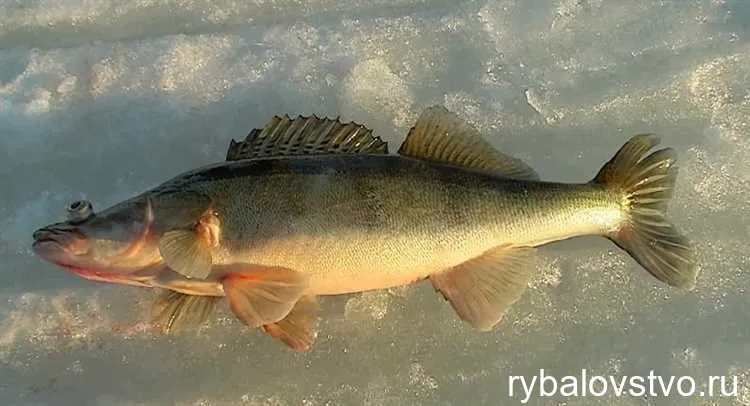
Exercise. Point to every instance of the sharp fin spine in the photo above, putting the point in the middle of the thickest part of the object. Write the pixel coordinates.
(284, 136)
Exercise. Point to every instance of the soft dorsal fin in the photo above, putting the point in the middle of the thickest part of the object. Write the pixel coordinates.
(441, 136)
(306, 136)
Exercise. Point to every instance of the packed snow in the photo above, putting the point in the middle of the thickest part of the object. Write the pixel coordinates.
(101, 99)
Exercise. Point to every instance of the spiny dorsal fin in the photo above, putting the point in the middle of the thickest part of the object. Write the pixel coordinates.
(441, 136)
(306, 136)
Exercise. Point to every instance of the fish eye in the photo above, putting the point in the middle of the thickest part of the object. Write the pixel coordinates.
(80, 210)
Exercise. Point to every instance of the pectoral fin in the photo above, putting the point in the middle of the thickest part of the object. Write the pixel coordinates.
(482, 289)
(188, 252)
(262, 295)
(185, 253)
(298, 328)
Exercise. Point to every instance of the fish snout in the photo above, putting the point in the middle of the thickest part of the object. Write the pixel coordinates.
(43, 234)
(54, 242)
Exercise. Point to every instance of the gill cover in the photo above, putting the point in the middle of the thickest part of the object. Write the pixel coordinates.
(140, 239)
(116, 235)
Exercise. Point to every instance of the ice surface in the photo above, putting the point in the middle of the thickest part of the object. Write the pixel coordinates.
(104, 98)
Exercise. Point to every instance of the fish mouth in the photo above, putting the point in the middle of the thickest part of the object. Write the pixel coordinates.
(51, 243)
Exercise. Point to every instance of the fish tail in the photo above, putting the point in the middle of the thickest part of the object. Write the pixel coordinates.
(646, 181)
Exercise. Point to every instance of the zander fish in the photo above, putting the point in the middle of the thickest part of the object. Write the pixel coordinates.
(308, 207)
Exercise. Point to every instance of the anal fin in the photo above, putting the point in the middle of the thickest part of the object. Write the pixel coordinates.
(482, 289)
(260, 295)
(299, 328)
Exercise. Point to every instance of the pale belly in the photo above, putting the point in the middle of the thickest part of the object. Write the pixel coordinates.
(354, 263)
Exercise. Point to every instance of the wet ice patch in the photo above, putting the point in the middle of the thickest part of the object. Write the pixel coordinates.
(367, 306)
(48, 323)
(547, 272)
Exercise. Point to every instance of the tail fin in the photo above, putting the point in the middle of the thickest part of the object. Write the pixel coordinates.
(647, 183)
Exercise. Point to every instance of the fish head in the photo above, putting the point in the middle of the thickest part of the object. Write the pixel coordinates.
(103, 246)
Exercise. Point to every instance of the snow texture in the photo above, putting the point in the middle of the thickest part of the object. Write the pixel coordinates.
(101, 99)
